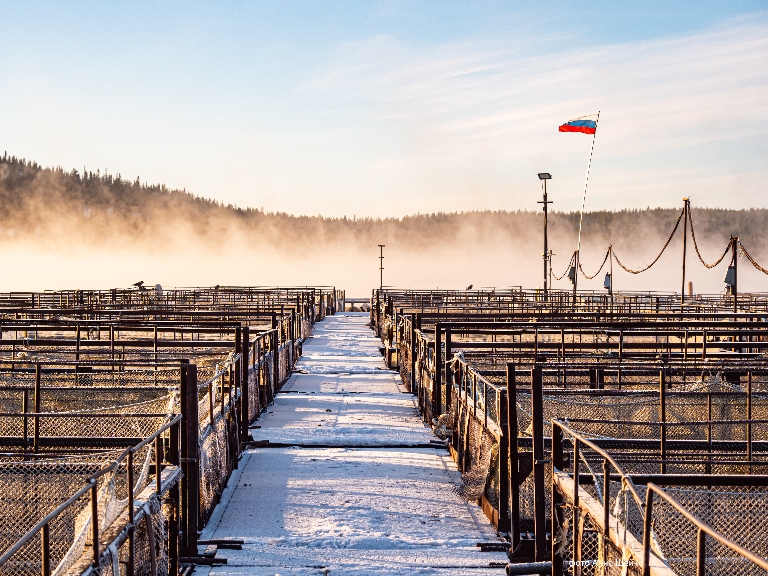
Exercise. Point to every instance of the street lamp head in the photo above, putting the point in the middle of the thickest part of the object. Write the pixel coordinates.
(545, 176)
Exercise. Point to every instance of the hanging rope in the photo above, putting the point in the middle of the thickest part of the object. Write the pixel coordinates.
(752, 260)
(696, 246)
(677, 224)
(570, 263)
(587, 276)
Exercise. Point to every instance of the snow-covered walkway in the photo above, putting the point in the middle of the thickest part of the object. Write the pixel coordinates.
(352, 482)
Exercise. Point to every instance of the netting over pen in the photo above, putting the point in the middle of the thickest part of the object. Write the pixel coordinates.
(735, 512)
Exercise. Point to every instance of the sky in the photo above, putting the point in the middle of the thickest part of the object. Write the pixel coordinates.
(396, 107)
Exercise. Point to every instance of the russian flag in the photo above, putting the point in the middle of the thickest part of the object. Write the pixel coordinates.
(585, 124)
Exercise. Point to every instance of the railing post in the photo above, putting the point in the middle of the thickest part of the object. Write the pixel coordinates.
(448, 384)
(95, 521)
(504, 524)
(606, 507)
(414, 348)
(36, 420)
(647, 532)
(173, 522)
(539, 497)
(190, 492)
(557, 499)
(662, 421)
(701, 553)
(46, 551)
(158, 466)
(437, 389)
(514, 481)
(576, 556)
(245, 393)
(129, 569)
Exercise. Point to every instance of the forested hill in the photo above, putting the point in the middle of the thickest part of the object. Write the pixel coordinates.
(50, 205)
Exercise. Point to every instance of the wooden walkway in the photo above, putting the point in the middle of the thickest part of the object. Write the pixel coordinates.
(352, 481)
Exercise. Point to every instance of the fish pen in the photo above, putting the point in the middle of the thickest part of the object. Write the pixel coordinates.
(677, 379)
(119, 428)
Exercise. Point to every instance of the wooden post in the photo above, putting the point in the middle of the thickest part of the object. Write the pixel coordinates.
(190, 458)
(502, 407)
(539, 498)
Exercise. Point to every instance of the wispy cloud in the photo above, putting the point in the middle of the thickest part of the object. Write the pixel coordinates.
(469, 121)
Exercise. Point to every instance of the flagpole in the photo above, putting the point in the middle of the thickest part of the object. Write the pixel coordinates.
(581, 217)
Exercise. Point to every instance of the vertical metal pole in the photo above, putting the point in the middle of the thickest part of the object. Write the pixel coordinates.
(606, 508)
(539, 498)
(749, 419)
(414, 351)
(735, 250)
(557, 500)
(701, 552)
(647, 533)
(190, 460)
(546, 247)
(381, 267)
(131, 530)
(46, 551)
(685, 246)
(448, 383)
(437, 387)
(95, 521)
(158, 466)
(36, 419)
(662, 421)
(245, 392)
(576, 556)
(504, 524)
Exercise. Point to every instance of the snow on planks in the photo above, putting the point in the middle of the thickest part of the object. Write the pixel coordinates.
(356, 486)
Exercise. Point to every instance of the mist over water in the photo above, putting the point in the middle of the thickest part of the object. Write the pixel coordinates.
(66, 230)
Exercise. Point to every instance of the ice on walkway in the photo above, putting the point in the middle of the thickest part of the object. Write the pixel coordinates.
(341, 510)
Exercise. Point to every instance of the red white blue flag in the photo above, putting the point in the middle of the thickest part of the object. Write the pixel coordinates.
(585, 124)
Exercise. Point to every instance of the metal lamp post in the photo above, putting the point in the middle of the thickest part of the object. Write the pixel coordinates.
(381, 266)
(544, 176)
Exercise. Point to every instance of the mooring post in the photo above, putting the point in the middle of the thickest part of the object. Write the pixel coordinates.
(539, 462)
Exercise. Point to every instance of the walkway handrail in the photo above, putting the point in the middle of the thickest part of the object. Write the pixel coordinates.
(702, 527)
(90, 483)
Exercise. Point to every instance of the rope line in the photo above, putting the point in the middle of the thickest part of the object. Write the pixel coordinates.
(674, 230)
(587, 276)
(752, 260)
(696, 246)
(570, 263)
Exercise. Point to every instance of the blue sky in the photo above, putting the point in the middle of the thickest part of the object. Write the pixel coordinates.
(391, 108)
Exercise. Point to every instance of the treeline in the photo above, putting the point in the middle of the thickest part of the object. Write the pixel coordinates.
(52, 205)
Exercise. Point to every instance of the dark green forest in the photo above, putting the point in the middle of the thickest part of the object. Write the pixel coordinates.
(53, 206)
